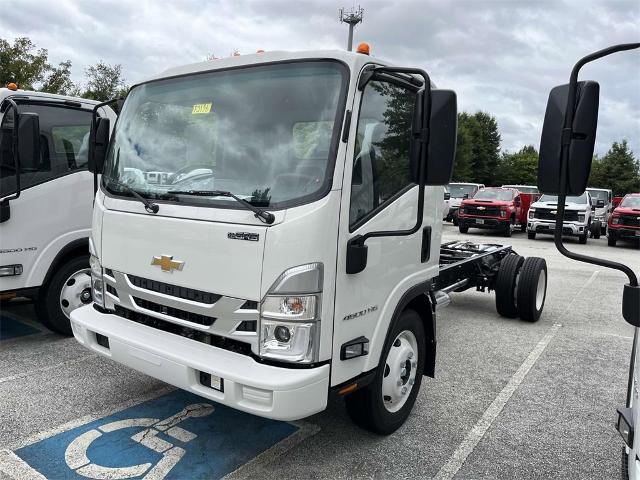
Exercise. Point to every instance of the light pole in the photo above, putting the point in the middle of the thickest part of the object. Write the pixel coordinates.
(352, 18)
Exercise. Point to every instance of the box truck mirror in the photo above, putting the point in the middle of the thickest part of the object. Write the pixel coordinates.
(99, 140)
(29, 141)
(443, 128)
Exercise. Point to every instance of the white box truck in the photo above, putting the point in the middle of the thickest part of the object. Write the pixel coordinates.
(303, 257)
(46, 197)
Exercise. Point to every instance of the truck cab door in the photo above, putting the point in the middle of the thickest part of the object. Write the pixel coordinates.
(379, 195)
(55, 202)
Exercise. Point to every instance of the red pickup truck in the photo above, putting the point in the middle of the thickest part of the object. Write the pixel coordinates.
(624, 222)
(493, 208)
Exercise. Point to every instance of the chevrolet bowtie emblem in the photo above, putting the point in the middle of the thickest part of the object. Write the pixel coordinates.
(554, 211)
(167, 263)
(481, 208)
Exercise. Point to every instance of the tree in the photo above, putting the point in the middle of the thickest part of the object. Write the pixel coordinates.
(104, 82)
(617, 170)
(462, 167)
(519, 168)
(22, 63)
(478, 148)
(59, 81)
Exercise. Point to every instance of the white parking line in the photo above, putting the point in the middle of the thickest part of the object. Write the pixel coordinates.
(469, 443)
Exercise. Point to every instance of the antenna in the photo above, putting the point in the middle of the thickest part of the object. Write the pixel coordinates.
(352, 18)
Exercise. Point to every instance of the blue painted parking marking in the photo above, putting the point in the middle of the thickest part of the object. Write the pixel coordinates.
(10, 327)
(175, 436)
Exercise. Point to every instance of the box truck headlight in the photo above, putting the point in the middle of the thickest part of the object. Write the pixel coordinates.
(290, 316)
(97, 283)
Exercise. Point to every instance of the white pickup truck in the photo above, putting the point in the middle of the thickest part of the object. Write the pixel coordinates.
(46, 197)
(304, 258)
(577, 222)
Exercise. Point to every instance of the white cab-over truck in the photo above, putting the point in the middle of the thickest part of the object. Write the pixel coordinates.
(459, 192)
(603, 200)
(304, 256)
(46, 197)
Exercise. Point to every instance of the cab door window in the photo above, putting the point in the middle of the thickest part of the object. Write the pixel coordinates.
(381, 162)
(64, 145)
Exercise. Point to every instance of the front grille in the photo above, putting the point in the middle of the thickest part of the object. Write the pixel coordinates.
(174, 290)
(174, 312)
(247, 326)
(632, 221)
(202, 337)
(545, 214)
(112, 291)
(482, 211)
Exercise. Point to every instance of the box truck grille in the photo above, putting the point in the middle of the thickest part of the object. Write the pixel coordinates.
(174, 312)
(174, 290)
(197, 335)
(629, 220)
(545, 214)
(482, 211)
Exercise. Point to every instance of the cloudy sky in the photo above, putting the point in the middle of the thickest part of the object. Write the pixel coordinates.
(499, 56)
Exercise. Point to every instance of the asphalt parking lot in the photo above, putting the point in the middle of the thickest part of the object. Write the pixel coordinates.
(510, 399)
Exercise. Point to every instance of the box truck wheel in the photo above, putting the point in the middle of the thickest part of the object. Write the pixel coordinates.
(506, 283)
(532, 289)
(68, 289)
(531, 235)
(384, 405)
(596, 228)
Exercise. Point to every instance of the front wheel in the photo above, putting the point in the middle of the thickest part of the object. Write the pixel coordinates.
(612, 240)
(384, 405)
(69, 288)
(582, 239)
(532, 289)
(531, 235)
(463, 229)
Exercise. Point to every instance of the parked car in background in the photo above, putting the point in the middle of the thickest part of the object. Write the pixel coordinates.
(577, 218)
(603, 200)
(529, 194)
(494, 208)
(446, 202)
(624, 222)
(531, 189)
(460, 191)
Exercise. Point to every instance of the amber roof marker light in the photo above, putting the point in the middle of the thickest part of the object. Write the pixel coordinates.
(12, 86)
(363, 48)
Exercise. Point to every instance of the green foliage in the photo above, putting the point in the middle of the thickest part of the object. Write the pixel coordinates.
(519, 168)
(59, 81)
(104, 82)
(478, 149)
(617, 170)
(22, 63)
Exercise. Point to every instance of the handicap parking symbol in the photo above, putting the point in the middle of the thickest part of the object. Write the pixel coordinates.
(175, 436)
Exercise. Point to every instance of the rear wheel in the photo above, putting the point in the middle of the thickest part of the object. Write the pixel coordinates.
(595, 228)
(531, 235)
(506, 283)
(603, 229)
(384, 405)
(532, 289)
(69, 288)
(463, 229)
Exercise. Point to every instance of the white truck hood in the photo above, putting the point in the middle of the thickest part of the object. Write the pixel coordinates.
(580, 207)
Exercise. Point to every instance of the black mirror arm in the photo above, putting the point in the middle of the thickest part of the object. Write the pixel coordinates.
(94, 121)
(14, 140)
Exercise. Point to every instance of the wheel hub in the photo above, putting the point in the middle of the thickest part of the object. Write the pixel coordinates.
(400, 371)
(76, 291)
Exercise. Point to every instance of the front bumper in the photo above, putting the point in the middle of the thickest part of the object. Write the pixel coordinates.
(624, 232)
(263, 390)
(484, 222)
(569, 229)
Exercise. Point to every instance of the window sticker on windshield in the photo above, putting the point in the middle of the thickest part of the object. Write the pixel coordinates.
(201, 108)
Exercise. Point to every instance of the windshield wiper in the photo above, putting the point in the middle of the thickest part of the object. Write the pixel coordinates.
(263, 215)
(149, 206)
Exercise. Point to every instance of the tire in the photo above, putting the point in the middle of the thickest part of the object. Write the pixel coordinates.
(69, 282)
(603, 229)
(366, 406)
(523, 227)
(582, 239)
(506, 285)
(532, 289)
(463, 229)
(595, 228)
(531, 235)
(612, 240)
(624, 464)
(455, 221)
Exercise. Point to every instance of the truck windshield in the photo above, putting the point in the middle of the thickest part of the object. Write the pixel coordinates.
(266, 133)
(631, 202)
(599, 195)
(570, 199)
(496, 194)
(522, 188)
(459, 191)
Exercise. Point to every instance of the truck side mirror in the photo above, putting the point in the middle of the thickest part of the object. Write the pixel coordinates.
(443, 130)
(593, 208)
(600, 203)
(447, 196)
(98, 143)
(517, 202)
(580, 143)
(465, 196)
(29, 141)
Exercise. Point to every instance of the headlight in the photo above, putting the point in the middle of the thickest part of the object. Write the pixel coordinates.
(581, 217)
(615, 220)
(503, 213)
(290, 316)
(532, 213)
(97, 284)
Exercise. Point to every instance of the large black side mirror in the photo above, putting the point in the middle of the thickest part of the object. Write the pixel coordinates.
(580, 145)
(600, 203)
(98, 143)
(447, 196)
(29, 141)
(517, 202)
(465, 196)
(443, 130)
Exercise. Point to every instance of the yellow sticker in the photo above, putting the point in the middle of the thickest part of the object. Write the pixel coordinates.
(201, 108)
